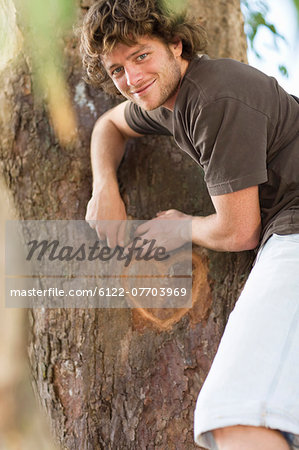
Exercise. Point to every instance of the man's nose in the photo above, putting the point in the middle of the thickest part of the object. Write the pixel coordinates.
(133, 76)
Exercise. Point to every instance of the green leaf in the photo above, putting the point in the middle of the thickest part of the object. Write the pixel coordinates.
(283, 70)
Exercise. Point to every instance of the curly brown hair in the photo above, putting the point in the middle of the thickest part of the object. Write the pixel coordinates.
(109, 22)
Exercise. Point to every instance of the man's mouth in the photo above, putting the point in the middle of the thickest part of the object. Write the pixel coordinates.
(143, 89)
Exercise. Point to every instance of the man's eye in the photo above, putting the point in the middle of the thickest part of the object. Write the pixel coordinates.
(141, 57)
(117, 71)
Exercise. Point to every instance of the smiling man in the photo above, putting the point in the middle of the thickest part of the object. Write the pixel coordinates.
(243, 129)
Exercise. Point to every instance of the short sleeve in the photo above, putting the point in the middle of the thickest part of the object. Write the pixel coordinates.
(158, 121)
(231, 139)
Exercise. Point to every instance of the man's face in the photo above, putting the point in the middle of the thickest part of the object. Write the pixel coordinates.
(147, 73)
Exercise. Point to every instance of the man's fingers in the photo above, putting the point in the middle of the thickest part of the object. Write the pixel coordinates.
(116, 233)
(121, 233)
(145, 248)
(164, 214)
(142, 245)
(100, 233)
(112, 230)
(91, 223)
(153, 231)
(136, 243)
(112, 237)
(152, 225)
(143, 228)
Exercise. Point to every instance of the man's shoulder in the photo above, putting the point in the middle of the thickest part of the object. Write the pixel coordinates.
(208, 80)
(204, 70)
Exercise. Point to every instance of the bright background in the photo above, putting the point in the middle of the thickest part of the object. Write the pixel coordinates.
(283, 15)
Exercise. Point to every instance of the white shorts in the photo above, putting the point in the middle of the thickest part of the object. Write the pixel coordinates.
(254, 379)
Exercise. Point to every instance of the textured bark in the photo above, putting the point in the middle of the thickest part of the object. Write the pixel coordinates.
(22, 426)
(115, 379)
(224, 23)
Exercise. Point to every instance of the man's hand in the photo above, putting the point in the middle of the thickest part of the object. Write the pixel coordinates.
(167, 229)
(106, 205)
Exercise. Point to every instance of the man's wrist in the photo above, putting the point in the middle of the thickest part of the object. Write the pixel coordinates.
(186, 229)
(103, 181)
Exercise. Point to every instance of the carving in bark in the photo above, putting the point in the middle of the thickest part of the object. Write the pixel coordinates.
(119, 378)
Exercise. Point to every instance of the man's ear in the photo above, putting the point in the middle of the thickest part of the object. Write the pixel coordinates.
(176, 46)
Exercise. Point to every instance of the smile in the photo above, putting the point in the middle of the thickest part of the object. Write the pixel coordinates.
(143, 90)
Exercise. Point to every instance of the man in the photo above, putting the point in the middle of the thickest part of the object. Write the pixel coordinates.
(242, 128)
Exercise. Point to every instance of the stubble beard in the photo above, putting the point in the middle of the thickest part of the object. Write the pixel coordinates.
(173, 73)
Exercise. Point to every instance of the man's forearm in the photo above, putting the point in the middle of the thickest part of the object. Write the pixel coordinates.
(210, 233)
(107, 149)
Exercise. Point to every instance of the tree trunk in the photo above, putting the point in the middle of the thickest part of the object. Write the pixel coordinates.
(115, 379)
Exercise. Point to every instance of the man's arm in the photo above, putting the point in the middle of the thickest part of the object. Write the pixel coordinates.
(235, 226)
(109, 136)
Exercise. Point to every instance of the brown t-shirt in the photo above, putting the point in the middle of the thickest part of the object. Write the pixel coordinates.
(242, 128)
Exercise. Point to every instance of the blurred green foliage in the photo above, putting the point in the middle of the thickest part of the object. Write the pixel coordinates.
(44, 26)
(296, 4)
(256, 15)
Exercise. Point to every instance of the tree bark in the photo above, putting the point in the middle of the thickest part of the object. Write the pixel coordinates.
(115, 379)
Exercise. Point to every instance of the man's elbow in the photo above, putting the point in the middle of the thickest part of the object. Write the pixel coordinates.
(245, 241)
